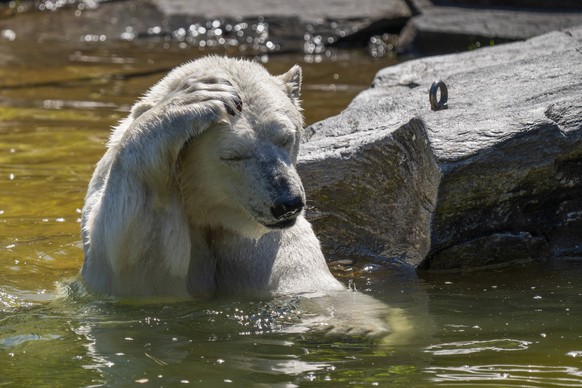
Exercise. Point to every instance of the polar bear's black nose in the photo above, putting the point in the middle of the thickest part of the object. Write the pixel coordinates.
(283, 210)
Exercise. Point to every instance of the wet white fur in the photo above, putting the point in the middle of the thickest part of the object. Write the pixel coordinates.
(178, 203)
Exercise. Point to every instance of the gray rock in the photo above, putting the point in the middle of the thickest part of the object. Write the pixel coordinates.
(249, 26)
(308, 10)
(497, 177)
(337, 22)
(543, 4)
(451, 29)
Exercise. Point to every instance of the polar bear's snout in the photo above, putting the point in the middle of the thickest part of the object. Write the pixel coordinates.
(286, 211)
(283, 210)
(284, 190)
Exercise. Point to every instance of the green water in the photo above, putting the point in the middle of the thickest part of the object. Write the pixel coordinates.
(513, 327)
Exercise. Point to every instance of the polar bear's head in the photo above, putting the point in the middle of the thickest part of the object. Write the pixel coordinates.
(240, 173)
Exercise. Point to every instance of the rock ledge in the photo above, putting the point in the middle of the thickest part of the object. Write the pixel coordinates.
(495, 178)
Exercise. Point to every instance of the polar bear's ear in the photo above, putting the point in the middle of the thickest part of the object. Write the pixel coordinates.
(292, 83)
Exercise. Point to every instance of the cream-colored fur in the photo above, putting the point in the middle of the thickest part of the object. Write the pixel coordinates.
(181, 203)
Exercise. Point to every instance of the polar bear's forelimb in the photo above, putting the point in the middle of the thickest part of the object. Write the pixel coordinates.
(131, 194)
(152, 142)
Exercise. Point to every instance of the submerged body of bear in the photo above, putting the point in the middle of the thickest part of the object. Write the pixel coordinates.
(198, 191)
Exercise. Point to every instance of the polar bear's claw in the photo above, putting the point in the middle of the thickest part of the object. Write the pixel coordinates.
(237, 105)
(194, 89)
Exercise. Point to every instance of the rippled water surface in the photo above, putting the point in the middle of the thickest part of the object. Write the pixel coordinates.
(517, 327)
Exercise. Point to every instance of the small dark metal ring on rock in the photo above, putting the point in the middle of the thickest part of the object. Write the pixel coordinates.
(432, 95)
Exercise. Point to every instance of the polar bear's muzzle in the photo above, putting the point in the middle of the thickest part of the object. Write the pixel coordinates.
(274, 194)
(286, 212)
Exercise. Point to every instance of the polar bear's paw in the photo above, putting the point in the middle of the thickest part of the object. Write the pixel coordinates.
(344, 313)
(357, 326)
(390, 325)
(194, 99)
(201, 89)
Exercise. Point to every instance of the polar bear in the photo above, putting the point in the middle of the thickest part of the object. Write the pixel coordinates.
(198, 192)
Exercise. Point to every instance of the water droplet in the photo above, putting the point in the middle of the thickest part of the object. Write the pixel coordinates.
(9, 35)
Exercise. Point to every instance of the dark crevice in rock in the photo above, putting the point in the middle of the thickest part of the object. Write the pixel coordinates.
(362, 37)
(498, 247)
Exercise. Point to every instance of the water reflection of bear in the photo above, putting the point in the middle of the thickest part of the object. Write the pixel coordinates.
(198, 194)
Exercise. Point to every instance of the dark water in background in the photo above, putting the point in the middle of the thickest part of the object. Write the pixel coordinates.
(512, 327)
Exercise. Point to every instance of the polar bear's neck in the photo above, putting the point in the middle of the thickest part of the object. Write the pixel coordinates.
(225, 260)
